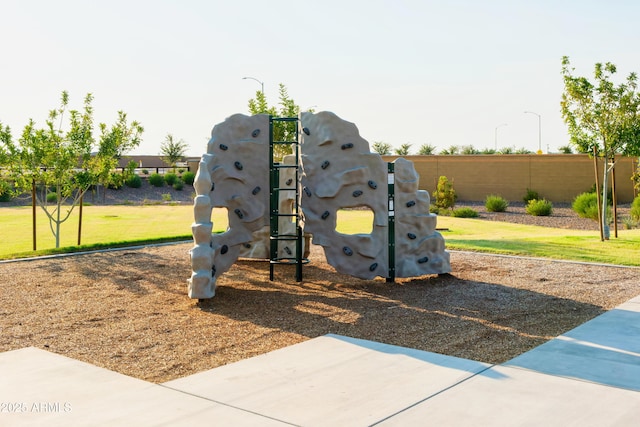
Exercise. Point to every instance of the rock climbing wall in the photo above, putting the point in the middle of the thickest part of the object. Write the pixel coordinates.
(234, 173)
(338, 171)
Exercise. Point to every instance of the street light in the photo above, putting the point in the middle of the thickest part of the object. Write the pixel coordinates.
(496, 134)
(539, 130)
(253, 78)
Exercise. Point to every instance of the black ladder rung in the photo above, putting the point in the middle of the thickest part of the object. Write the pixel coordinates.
(291, 215)
(283, 238)
(281, 166)
(284, 142)
(285, 189)
(284, 119)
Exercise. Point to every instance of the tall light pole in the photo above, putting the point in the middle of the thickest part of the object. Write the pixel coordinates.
(253, 78)
(539, 130)
(496, 134)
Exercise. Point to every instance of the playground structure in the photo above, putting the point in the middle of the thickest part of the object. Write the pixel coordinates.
(273, 205)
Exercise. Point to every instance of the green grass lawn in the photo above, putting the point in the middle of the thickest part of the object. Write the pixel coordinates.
(105, 226)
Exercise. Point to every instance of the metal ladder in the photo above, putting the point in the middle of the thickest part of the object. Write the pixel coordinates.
(275, 236)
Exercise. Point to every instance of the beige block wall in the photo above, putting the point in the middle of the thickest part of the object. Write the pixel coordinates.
(556, 177)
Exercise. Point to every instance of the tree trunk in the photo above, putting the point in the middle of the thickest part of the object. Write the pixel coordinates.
(33, 211)
(80, 220)
(615, 200)
(595, 166)
(605, 225)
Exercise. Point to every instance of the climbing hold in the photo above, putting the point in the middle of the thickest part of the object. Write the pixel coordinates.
(213, 186)
(357, 193)
(289, 181)
(423, 260)
(306, 131)
(325, 215)
(411, 203)
(373, 266)
(224, 249)
(213, 270)
(325, 164)
(347, 251)
(255, 133)
(373, 184)
(239, 213)
(256, 190)
(307, 192)
(347, 145)
(223, 147)
(247, 245)
(411, 236)
(238, 165)
(287, 250)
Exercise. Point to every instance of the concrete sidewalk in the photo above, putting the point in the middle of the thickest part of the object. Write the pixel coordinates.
(588, 376)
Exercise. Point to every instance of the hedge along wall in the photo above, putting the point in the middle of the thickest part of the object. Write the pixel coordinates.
(556, 177)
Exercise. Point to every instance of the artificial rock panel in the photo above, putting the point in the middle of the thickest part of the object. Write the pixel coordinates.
(338, 171)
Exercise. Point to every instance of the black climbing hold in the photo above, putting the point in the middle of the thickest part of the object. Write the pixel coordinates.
(307, 192)
(223, 147)
(411, 203)
(347, 251)
(373, 266)
(325, 215)
(423, 260)
(306, 131)
(372, 184)
(411, 236)
(238, 165)
(347, 145)
(224, 249)
(213, 270)
(325, 164)
(289, 181)
(247, 245)
(239, 213)
(357, 193)
(256, 190)
(255, 133)
(211, 245)
(213, 186)
(287, 250)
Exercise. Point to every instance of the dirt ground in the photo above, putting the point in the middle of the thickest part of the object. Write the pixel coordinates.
(128, 310)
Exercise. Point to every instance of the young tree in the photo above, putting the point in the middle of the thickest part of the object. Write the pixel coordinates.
(451, 151)
(173, 151)
(282, 131)
(427, 150)
(565, 149)
(62, 162)
(603, 119)
(469, 149)
(381, 148)
(403, 150)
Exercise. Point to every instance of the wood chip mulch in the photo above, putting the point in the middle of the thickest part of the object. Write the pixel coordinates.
(128, 310)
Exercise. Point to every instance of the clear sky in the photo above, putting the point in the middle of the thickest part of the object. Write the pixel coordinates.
(404, 71)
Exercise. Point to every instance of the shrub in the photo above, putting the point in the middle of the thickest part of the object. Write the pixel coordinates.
(635, 209)
(181, 171)
(541, 207)
(116, 181)
(445, 196)
(156, 180)
(134, 181)
(170, 178)
(52, 197)
(188, 177)
(178, 185)
(145, 171)
(166, 197)
(629, 222)
(464, 213)
(530, 195)
(586, 206)
(5, 191)
(495, 204)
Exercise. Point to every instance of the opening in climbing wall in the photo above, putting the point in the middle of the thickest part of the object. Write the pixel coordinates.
(357, 220)
(220, 218)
